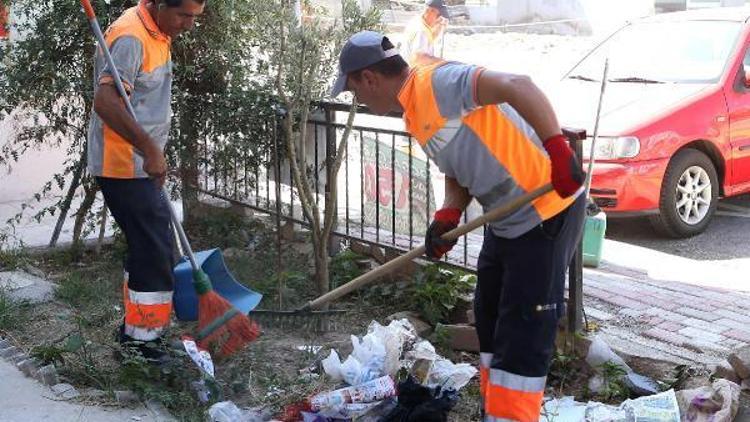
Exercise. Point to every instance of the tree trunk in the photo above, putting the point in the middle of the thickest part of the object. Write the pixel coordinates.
(102, 229)
(322, 275)
(189, 172)
(83, 210)
(65, 206)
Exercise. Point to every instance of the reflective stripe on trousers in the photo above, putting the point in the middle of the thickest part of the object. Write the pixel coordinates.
(513, 397)
(146, 313)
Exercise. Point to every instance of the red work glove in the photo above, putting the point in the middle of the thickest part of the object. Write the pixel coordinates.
(445, 220)
(567, 175)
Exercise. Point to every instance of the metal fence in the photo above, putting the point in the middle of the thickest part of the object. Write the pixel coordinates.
(387, 187)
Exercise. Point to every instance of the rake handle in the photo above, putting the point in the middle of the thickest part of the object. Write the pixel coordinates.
(89, 9)
(493, 215)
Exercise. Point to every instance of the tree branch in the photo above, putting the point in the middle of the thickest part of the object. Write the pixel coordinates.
(332, 201)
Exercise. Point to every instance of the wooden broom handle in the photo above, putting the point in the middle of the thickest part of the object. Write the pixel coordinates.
(493, 215)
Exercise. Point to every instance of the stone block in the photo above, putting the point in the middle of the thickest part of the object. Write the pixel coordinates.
(27, 366)
(740, 361)
(65, 391)
(422, 328)
(462, 337)
(126, 397)
(725, 370)
(470, 317)
(47, 375)
(8, 352)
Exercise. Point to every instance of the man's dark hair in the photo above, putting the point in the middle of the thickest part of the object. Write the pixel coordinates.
(390, 67)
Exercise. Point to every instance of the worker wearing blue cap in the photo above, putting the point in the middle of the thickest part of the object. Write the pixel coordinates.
(495, 138)
(423, 33)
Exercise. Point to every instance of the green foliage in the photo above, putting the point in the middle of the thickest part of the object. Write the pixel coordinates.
(49, 354)
(12, 258)
(13, 313)
(441, 339)
(436, 290)
(562, 369)
(613, 388)
(344, 267)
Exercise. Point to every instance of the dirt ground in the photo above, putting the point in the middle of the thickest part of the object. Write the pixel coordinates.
(76, 331)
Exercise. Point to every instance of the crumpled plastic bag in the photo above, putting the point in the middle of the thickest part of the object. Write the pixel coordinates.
(332, 366)
(394, 337)
(378, 353)
(366, 362)
(564, 409)
(443, 373)
(227, 411)
(599, 354)
(716, 403)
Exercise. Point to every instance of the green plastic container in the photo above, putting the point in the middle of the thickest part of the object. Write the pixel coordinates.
(593, 239)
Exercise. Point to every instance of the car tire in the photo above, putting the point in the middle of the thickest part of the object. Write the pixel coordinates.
(689, 195)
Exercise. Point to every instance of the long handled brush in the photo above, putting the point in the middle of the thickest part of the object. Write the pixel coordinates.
(221, 326)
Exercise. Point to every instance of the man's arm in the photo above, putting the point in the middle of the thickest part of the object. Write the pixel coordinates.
(523, 95)
(456, 196)
(110, 107)
(531, 103)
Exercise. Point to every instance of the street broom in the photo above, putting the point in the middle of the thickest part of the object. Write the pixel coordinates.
(221, 326)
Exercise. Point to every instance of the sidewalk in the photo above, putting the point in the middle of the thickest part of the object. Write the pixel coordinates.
(668, 320)
(23, 399)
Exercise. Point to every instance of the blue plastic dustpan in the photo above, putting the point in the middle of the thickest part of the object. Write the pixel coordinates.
(186, 300)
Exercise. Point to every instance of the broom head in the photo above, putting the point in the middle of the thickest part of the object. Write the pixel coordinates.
(221, 326)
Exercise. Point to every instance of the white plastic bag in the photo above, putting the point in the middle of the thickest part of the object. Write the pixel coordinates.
(448, 375)
(393, 337)
(332, 366)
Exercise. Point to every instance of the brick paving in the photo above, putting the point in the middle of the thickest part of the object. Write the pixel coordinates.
(704, 323)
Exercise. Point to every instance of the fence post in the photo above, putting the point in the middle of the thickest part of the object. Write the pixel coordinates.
(575, 271)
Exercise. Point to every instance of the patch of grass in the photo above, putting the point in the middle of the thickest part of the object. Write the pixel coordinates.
(13, 313)
(82, 291)
(49, 354)
(12, 259)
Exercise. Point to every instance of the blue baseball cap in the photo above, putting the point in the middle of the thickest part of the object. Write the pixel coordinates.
(440, 6)
(362, 50)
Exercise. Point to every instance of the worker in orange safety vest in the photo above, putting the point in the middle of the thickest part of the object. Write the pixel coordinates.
(425, 31)
(127, 159)
(495, 137)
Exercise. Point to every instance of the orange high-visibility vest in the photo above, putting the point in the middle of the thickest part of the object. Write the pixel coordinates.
(490, 150)
(143, 58)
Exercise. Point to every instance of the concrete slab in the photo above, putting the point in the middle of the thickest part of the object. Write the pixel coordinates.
(22, 400)
(24, 286)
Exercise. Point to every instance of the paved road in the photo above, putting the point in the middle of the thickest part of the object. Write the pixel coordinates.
(727, 237)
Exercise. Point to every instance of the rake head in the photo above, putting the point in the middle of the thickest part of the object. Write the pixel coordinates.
(307, 320)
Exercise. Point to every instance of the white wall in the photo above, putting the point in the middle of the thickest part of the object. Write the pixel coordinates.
(585, 16)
